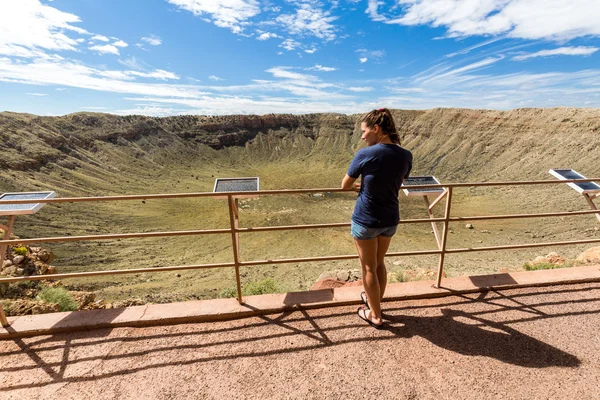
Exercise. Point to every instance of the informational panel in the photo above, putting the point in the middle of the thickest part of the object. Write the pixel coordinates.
(20, 209)
(237, 185)
(580, 187)
(421, 180)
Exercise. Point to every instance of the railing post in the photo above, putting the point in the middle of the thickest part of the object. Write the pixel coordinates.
(444, 238)
(234, 221)
(591, 203)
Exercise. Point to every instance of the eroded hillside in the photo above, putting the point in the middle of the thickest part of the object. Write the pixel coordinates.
(451, 143)
(101, 154)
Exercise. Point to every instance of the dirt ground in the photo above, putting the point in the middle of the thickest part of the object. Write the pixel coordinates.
(537, 343)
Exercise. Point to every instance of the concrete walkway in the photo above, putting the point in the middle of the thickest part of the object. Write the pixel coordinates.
(225, 309)
(526, 343)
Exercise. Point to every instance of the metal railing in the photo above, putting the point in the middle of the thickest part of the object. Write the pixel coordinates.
(235, 230)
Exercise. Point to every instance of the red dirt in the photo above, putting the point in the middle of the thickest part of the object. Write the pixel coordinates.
(536, 343)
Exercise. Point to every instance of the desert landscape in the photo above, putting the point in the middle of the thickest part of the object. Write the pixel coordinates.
(92, 154)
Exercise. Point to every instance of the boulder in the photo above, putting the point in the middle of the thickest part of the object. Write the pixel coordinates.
(6, 263)
(590, 256)
(343, 275)
(46, 256)
(327, 283)
(550, 258)
(18, 260)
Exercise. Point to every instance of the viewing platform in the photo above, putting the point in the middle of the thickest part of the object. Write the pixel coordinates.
(524, 343)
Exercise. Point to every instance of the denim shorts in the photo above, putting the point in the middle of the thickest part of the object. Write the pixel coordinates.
(360, 232)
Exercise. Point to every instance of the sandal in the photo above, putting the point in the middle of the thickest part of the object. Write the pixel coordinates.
(363, 316)
(365, 300)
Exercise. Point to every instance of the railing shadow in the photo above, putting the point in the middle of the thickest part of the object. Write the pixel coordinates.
(456, 330)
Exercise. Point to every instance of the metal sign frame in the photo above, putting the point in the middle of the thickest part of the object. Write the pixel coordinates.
(588, 194)
(593, 187)
(250, 194)
(23, 209)
(424, 192)
(429, 180)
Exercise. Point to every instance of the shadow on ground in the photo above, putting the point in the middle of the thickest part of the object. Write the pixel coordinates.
(130, 350)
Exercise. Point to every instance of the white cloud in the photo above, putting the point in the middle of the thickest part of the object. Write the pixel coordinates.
(152, 40)
(361, 89)
(267, 36)
(120, 43)
(372, 10)
(373, 55)
(561, 51)
(73, 74)
(309, 20)
(101, 38)
(31, 25)
(215, 78)
(231, 14)
(105, 49)
(290, 44)
(37, 94)
(444, 72)
(311, 50)
(558, 20)
(321, 68)
(285, 73)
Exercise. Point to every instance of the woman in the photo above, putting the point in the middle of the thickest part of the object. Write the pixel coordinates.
(382, 166)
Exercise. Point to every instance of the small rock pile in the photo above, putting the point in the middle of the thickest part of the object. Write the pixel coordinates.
(27, 261)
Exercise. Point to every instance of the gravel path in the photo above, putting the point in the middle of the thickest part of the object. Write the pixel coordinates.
(538, 343)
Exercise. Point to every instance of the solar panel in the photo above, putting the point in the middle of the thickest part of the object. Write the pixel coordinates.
(420, 180)
(20, 209)
(580, 187)
(237, 185)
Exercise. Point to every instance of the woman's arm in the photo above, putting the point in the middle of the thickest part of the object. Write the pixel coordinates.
(348, 182)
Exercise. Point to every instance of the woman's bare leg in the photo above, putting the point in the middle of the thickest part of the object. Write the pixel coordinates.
(367, 252)
(383, 244)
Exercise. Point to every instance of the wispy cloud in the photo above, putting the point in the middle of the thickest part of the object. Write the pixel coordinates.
(31, 25)
(215, 78)
(290, 44)
(443, 72)
(101, 38)
(321, 68)
(376, 56)
(105, 49)
(361, 89)
(152, 40)
(37, 94)
(558, 20)
(561, 51)
(230, 14)
(309, 20)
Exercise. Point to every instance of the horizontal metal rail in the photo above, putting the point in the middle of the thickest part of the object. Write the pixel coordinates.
(114, 236)
(519, 216)
(234, 230)
(114, 272)
(282, 191)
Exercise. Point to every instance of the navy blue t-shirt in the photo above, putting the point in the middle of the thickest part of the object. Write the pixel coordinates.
(383, 168)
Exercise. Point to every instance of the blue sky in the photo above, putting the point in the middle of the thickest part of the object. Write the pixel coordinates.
(171, 57)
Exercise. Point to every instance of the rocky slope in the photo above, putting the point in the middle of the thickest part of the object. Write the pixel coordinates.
(453, 143)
